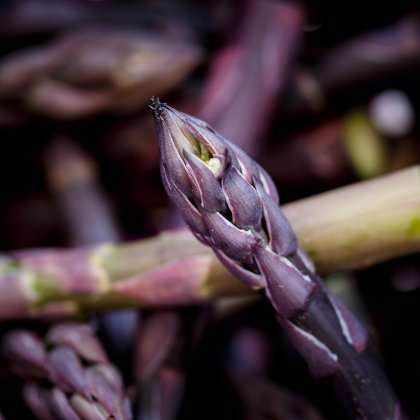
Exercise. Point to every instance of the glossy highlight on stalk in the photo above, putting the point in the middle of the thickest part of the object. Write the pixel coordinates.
(231, 204)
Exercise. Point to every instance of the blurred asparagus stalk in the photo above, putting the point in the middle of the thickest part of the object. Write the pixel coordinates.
(354, 69)
(97, 69)
(361, 224)
(89, 219)
(159, 332)
(248, 365)
(261, 399)
(248, 73)
(67, 374)
(164, 350)
(72, 178)
(354, 226)
(231, 204)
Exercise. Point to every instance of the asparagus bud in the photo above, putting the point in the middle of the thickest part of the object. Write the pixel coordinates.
(231, 204)
(67, 374)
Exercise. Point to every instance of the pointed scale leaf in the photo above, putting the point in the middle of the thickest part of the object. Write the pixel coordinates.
(280, 232)
(171, 156)
(107, 392)
(256, 281)
(235, 243)
(203, 133)
(61, 407)
(287, 288)
(242, 199)
(80, 339)
(245, 165)
(180, 136)
(67, 371)
(36, 398)
(253, 172)
(190, 214)
(206, 187)
(88, 410)
(267, 184)
(356, 335)
(322, 362)
(26, 350)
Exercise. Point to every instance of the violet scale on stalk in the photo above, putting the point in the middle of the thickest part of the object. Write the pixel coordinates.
(231, 204)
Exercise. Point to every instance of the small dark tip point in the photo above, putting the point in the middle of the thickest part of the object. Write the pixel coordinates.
(155, 105)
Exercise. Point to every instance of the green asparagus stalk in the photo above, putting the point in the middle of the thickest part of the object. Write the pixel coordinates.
(354, 226)
(67, 374)
(231, 204)
(361, 224)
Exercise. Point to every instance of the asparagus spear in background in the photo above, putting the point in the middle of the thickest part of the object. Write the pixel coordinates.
(248, 73)
(67, 374)
(93, 70)
(90, 220)
(231, 204)
(353, 70)
(248, 364)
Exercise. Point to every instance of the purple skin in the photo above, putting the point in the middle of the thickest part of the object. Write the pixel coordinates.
(231, 204)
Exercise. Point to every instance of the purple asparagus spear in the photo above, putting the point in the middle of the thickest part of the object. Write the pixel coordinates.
(66, 374)
(231, 204)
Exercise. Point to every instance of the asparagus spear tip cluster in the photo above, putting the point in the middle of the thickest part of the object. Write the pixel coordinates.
(231, 204)
(66, 374)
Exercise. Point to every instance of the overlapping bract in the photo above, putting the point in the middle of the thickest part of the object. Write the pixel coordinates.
(67, 374)
(227, 199)
(231, 204)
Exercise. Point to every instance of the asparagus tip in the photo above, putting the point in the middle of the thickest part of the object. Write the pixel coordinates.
(155, 105)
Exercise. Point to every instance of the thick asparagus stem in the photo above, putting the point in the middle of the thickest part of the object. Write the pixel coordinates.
(231, 204)
(361, 224)
(63, 283)
(351, 227)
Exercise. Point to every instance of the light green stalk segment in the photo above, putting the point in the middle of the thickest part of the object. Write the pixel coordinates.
(362, 224)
